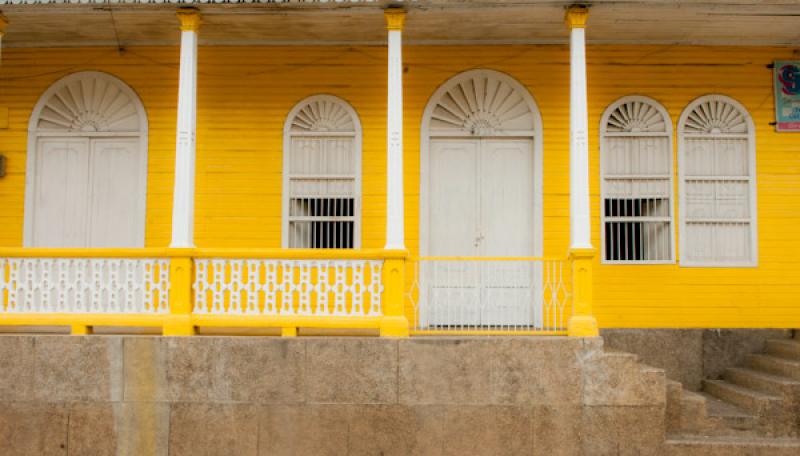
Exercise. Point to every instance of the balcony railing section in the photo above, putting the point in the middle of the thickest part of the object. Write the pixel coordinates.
(288, 287)
(478, 294)
(97, 285)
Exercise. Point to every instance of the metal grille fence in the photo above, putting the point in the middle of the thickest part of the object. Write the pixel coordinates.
(506, 294)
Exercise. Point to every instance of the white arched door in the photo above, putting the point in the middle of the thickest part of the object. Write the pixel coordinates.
(87, 165)
(480, 197)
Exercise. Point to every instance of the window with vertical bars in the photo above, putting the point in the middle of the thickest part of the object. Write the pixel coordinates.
(636, 182)
(322, 176)
(717, 172)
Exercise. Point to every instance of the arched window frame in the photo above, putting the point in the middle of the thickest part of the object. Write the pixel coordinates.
(288, 134)
(749, 135)
(604, 152)
(35, 134)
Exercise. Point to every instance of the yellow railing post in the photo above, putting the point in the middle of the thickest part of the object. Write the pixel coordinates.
(582, 323)
(394, 322)
(181, 271)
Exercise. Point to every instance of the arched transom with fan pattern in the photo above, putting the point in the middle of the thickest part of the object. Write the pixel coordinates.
(87, 165)
(716, 157)
(89, 102)
(322, 175)
(636, 182)
(482, 103)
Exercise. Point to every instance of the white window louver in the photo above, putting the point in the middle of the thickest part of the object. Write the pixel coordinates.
(636, 182)
(322, 175)
(717, 184)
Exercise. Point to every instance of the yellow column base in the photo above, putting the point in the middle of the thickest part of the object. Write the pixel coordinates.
(394, 327)
(80, 330)
(178, 326)
(289, 332)
(582, 326)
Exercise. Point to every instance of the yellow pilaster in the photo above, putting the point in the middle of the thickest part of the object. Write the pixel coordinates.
(290, 331)
(179, 320)
(582, 323)
(576, 16)
(394, 322)
(80, 330)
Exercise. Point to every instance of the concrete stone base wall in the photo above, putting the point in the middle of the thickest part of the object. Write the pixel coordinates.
(690, 355)
(126, 395)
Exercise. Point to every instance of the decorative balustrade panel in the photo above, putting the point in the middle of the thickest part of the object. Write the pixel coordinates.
(288, 287)
(491, 294)
(84, 285)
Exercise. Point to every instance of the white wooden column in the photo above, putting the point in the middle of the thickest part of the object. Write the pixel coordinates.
(395, 228)
(183, 194)
(580, 227)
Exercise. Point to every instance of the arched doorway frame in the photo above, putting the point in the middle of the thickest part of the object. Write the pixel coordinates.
(34, 134)
(535, 133)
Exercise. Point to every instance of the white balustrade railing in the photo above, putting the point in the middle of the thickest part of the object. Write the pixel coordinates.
(291, 287)
(507, 294)
(84, 285)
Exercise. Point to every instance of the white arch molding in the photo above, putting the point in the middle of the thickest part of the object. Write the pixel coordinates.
(481, 103)
(724, 124)
(94, 110)
(646, 124)
(491, 120)
(331, 118)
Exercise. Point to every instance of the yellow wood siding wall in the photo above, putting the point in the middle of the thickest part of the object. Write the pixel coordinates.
(246, 92)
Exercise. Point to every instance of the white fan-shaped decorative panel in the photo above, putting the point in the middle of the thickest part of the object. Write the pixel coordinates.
(636, 115)
(481, 103)
(90, 102)
(715, 115)
(323, 114)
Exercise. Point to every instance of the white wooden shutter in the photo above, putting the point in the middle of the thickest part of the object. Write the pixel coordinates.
(717, 154)
(322, 175)
(636, 182)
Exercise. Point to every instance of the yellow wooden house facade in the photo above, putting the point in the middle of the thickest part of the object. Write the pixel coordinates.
(668, 237)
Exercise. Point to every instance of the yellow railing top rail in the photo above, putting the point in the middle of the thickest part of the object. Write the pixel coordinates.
(35, 252)
(289, 254)
(301, 254)
(474, 258)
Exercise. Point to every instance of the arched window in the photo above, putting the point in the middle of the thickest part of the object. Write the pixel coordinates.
(716, 158)
(322, 175)
(87, 165)
(636, 182)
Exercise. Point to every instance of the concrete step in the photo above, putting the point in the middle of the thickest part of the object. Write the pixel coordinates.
(775, 365)
(692, 445)
(755, 402)
(724, 418)
(784, 348)
(777, 385)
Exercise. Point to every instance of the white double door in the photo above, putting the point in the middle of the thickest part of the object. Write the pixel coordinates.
(88, 192)
(481, 204)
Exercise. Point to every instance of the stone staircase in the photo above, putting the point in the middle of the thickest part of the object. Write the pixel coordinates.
(753, 409)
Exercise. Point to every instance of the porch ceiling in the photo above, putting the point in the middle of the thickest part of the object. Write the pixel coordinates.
(134, 22)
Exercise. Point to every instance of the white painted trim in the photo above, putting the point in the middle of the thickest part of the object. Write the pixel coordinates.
(751, 150)
(287, 145)
(603, 147)
(536, 134)
(34, 135)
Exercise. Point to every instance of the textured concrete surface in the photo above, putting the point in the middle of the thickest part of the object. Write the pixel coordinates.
(142, 395)
(690, 355)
